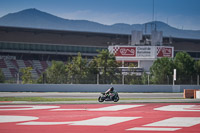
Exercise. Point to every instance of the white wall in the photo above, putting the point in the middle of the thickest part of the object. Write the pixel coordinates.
(146, 64)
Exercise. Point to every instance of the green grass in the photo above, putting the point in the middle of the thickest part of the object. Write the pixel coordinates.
(41, 99)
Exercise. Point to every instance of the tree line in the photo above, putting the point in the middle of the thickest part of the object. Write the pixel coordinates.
(186, 68)
(81, 70)
(104, 69)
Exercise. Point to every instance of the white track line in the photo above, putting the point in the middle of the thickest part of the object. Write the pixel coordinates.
(104, 121)
(100, 121)
(177, 122)
(44, 123)
(115, 108)
(179, 108)
(10, 118)
(153, 129)
(109, 108)
(25, 107)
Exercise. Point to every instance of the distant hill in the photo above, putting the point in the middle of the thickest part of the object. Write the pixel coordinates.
(34, 18)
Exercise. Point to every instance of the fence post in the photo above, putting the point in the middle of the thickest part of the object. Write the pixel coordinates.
(97, 78)
(123, 79)
(168, 79)
(18, 78)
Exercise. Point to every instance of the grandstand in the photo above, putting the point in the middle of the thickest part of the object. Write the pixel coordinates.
(24, 47)
(11, 67)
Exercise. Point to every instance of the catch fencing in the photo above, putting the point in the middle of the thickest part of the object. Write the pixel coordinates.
(135, 79)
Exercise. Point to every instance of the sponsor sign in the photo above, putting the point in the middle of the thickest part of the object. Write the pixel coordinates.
(128, 53)
(141, 52)
(124, 51)
(133, 51)
(164, 52)
(145, 51)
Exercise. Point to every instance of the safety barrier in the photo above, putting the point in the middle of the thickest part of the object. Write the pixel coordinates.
(92, 88)
(198, 94)
(191, 93)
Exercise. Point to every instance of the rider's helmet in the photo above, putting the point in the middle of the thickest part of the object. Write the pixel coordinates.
(111, 89)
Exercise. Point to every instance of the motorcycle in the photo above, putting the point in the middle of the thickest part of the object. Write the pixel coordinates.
(109, 97)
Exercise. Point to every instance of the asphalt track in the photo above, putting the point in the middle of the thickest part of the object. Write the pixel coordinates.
(101, 118)
(139, 97)
(88, 95)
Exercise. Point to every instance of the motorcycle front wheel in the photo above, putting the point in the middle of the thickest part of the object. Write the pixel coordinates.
(100, 99)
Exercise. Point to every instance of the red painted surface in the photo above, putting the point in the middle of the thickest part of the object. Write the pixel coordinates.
(164, 52)
(125, 51)
(6, 101)
(147, 113)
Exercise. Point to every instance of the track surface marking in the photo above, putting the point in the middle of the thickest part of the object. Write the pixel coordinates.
(98, 118)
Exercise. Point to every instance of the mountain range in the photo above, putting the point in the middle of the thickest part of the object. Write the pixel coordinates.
(33, 18)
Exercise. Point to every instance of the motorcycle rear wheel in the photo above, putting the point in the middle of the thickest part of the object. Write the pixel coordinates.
(116, 99)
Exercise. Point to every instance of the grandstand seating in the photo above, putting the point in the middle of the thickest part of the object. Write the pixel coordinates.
(6, 72)
(2, 63)
(45, 65)
(10, 67)
(14, 62)
(21, 63)
(28, 63)
(13, 72)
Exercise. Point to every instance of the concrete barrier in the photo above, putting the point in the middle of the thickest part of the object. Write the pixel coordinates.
(92, 88)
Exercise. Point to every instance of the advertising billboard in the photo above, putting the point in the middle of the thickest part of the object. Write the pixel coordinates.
(145, 52)
(163, 51)
(124, 51)
(141, 52)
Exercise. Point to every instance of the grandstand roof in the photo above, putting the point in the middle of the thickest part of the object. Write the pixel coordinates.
(31, 35)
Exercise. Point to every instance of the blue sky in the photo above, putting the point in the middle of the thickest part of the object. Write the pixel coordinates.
(182, 14)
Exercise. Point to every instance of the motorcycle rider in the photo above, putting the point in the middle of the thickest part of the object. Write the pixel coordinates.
(110, 92)
(109, 95)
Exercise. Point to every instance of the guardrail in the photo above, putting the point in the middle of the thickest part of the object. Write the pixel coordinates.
(92, 88)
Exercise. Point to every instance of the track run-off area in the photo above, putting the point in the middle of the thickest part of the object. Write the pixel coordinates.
(98, 118)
